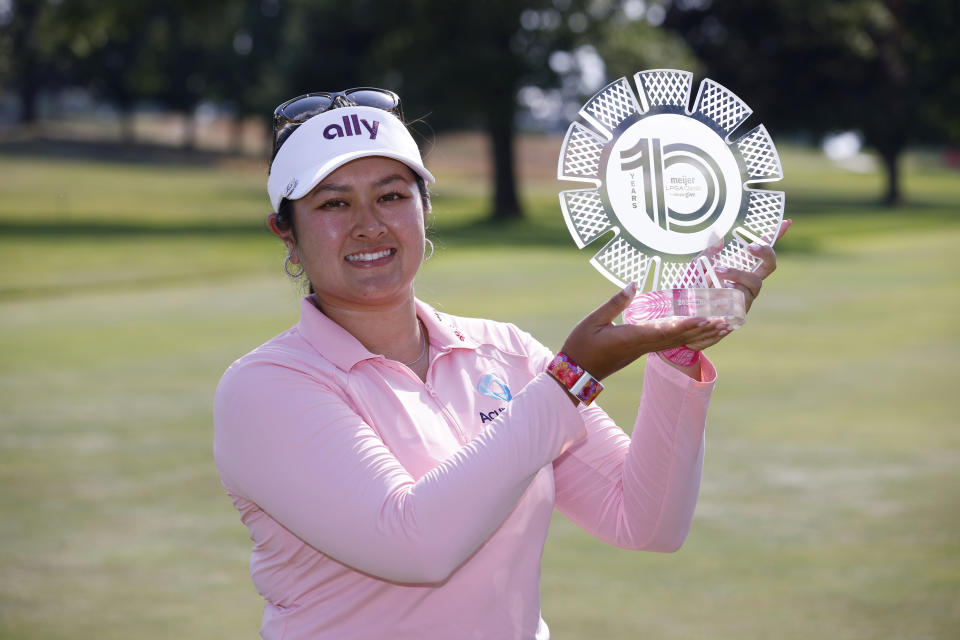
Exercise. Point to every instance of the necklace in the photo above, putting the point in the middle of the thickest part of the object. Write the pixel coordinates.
(423, 351)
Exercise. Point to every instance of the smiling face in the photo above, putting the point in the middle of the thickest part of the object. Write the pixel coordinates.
(360, 235)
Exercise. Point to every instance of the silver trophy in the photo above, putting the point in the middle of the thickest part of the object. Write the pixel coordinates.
(674, 187)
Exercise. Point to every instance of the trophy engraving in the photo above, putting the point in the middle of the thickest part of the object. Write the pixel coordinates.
(675, 188)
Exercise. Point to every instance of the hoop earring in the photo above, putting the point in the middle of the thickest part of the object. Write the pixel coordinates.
(429, 255)
(286, 267)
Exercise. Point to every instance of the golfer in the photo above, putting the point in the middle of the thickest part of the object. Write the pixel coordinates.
(397, 466)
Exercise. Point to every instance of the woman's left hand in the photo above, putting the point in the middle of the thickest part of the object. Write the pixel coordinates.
(749, 282)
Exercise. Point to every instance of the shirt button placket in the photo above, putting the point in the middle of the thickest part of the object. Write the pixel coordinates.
(446, 414)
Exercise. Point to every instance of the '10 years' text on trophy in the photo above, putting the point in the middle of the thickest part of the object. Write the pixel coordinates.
(675, 187)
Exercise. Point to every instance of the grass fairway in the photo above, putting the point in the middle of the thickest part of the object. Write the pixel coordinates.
(831, 498)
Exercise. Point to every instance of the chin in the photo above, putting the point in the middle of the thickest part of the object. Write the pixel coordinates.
(381, 295)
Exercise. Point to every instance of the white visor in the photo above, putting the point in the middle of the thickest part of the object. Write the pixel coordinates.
(333, 138)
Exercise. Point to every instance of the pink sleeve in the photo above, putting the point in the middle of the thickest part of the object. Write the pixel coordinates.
(640, 492)
(297, 450)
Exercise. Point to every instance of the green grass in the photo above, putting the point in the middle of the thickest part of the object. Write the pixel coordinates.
(829, 506)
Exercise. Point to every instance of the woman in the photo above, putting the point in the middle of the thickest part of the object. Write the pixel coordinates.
(397, 467)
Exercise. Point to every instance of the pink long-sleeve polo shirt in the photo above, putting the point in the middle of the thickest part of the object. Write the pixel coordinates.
(382, 506)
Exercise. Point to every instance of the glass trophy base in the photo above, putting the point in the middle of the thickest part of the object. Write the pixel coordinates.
(728, 304)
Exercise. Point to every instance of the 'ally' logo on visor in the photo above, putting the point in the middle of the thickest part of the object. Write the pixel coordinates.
(492, 386)
(351, 127)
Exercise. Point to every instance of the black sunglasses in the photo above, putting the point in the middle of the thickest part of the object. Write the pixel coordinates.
(295, 111)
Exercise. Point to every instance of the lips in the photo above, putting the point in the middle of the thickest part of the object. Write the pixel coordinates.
(370, 257)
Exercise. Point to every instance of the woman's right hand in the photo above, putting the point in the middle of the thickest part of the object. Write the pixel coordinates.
(601, 347)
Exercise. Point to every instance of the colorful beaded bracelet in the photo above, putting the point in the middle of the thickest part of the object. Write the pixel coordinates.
(577, 381)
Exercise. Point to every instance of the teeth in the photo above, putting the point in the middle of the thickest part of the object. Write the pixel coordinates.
(364, 257)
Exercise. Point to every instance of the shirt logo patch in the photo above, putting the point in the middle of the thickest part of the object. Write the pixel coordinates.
(492, 386)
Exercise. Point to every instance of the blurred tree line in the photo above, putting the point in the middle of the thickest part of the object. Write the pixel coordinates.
(886, 68)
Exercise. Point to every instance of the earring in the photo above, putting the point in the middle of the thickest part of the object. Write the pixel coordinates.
(429, 255)
(286, 267)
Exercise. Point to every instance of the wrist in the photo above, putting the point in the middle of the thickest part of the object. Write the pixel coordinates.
(683, 356)
(574, 378)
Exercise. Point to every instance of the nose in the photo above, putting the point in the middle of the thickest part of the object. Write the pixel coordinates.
(368, 225)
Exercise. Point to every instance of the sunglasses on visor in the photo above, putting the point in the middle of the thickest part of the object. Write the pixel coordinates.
(298, 110)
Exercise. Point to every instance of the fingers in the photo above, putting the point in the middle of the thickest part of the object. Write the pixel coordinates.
(714, 248)
(695, 273)
(709, 341)
(784, 226)
(750, 282)
(712, 331)
(666, 334)
(767, 256)
(609, 310)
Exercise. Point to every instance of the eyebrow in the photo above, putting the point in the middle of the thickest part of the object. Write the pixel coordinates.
(391, 178)
(340, 188)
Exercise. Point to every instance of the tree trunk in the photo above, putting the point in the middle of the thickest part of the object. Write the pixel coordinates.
(23, 28)
(128, 133)
(506, 204)
(27, 88)
(189, 142)
(236, 134)
(891, 164)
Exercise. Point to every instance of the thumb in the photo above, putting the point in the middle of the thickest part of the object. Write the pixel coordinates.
(609, 310)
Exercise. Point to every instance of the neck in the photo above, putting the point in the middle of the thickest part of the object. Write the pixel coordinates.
(391, 331)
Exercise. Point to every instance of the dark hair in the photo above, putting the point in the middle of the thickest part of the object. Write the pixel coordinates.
(282, 134)
(285, 217)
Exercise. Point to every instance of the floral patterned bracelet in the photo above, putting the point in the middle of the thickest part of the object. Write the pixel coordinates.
(683, 356)
(577, 381)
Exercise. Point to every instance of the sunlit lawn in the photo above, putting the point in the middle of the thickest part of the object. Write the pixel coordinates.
(831, 499)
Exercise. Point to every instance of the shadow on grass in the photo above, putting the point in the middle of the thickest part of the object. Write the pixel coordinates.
(505, 233)
(476, 234)
(820, 206)
(112, 152)
(543, 228)
(98, 229)
(529, 234)
(141, 283)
